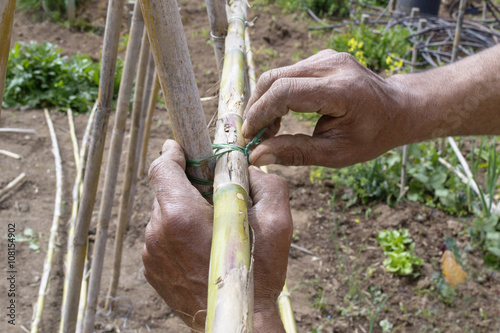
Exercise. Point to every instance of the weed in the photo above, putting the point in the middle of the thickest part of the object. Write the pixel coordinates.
(29, 236)
(399, 247)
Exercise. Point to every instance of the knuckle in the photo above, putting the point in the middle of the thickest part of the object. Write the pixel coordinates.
(297, 157)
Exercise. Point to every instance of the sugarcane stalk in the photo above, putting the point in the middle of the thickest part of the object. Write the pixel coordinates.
(178, 83)
(458, 30)
(77, 189)
(51, 248)
(147, 127)
(7, 8)
(217, 19)
(93, 167)
(130, 169)
(114, 155)
(74, 141)
(230, 286)
(286, 312)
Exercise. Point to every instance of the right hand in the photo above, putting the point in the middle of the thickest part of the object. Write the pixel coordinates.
(361, 112)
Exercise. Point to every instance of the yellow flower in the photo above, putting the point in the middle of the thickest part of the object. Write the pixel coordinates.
(360, 45)
(388, 61)
(356, 220)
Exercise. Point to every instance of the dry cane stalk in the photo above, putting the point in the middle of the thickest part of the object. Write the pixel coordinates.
(7, 8)
(93, 167)
(130, 170)
(18, 180)
(129, 70)
(230, 286)
(147, 126)
(217, 18)
(175, 72)
(80, 163)
(70, 10)
(47, 265)
(10, 154)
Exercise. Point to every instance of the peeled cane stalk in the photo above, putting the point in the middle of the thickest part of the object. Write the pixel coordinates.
(51, 248)
(7, 8)
(114, 156)
(130, 169)
(230, 286)
(93, 167)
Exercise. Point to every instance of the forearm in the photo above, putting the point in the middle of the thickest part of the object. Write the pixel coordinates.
(459, 99)
(268, 321)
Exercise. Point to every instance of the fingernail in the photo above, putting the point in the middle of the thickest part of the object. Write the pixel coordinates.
(265, 159)
(244, 127)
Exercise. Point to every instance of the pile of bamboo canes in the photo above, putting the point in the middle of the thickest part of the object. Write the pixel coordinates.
(156, 57)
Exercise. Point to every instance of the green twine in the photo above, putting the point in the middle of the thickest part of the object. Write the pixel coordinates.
(220, 149)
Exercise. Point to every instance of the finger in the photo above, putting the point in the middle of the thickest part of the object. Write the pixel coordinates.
(297, 94)
(298, 149)
(266, 187)
(168, 177)
(309, 67)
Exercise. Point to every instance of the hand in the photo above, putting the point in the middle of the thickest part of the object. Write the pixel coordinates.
(178, 240)
(361, 112)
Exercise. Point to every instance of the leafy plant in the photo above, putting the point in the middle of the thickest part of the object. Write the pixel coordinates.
(43, 9)
(29, 236)
(39, 76)
(399, 247)
(375, 49)
(319, 7)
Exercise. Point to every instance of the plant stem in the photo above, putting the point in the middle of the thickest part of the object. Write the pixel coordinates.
(7, 8)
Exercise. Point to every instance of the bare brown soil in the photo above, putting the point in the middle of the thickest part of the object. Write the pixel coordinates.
(334, 288)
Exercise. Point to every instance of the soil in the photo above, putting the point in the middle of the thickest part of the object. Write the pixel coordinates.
(338, 288)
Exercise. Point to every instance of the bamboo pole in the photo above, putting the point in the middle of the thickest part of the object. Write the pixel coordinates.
(93, 167)
(147, 127)
(230, 286)
(7, 8)
(77, 189)
(175, 72)
(51, 248)
(130, 169)
(217, 18)
(126, 84)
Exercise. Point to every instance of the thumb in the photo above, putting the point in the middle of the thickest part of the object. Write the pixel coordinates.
(296, 149)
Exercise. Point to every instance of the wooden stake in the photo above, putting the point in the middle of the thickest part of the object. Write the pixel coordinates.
(217, 18)
(71, 10)
(230, 286)
(107, 76)
(175, 72)
(147, 127)
(51, 248)
(130, 169)
(114, 155)
(7, 8)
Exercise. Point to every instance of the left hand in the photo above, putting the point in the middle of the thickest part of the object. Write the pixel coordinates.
(178, 240)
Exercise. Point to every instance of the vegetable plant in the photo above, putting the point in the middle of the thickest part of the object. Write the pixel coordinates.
(398, 246)
(38, 76)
